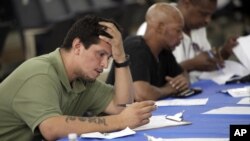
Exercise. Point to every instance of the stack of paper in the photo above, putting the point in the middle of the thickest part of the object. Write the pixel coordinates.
(239, 92)
(182, 102)
(155, 122)
(242, 51)
(231, 69)
(230, 111)
(159, 122)
(126, 132)
(244, 101)
(151, 138)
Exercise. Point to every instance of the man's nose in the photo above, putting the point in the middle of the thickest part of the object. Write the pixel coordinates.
(207, 20)
(105, 63)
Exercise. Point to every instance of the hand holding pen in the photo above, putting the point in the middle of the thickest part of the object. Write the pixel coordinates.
(217, 60)
(205, 61)
(137, 114)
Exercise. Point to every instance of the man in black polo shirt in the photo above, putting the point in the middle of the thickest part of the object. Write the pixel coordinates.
(155, 72)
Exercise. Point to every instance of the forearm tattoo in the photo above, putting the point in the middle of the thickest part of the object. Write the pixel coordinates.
(96, 120)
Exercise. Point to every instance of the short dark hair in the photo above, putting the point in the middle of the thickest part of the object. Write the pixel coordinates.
(87, 29)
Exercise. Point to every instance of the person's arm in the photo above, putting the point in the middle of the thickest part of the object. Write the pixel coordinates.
(227, 49)
(133, 116)
(145, 91)
(179, 82)
(124, 92)
(201, 62)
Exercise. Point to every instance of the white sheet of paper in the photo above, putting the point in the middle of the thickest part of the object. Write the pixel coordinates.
(160, 121)
(239, 92)
(245, 100)
(230, 111)
(182, 102)
(125, 132)
(221, 76)
(151, 138)
(242, 50)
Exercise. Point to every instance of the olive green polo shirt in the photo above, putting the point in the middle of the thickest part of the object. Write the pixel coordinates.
(39, 89)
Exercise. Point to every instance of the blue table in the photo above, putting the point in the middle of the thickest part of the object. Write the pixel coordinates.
(203, 125)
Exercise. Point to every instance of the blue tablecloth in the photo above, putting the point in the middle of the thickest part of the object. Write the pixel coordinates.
(203, 125)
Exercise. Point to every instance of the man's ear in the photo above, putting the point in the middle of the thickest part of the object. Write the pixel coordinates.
(76, 45)
(160, 27)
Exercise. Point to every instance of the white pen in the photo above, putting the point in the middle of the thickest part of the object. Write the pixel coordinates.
(126, 105)
(123, 105)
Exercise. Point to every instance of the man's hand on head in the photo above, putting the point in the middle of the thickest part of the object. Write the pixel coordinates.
(115, 42)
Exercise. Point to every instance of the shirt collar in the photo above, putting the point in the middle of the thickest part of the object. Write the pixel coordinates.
(78, 85)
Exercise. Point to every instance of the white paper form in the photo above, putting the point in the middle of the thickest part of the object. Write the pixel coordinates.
(151, 138)
(244, 101)
(182, 102)
(160, 121)
(239, 92)
(230, 111)
(126, 132)
(221, 76)
(242, 50)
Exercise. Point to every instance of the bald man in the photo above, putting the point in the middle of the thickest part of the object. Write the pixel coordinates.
(155, 72)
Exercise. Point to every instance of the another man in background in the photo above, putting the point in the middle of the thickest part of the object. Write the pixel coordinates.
(195, 53)
(155, 72)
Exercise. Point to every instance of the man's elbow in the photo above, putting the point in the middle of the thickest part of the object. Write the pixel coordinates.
(141, 97)
(48, 131)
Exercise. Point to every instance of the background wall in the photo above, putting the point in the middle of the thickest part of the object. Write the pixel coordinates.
(29, 28)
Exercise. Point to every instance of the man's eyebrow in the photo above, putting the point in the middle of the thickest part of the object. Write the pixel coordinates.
(105, 52)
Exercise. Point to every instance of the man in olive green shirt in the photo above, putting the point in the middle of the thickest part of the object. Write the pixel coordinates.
(57, 93)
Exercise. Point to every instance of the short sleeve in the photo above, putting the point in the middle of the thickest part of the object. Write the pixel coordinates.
(37, 100)
(140, 58)
(140, 65)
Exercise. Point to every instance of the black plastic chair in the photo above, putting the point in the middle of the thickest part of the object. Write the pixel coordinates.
(79, 7)
(54, 10)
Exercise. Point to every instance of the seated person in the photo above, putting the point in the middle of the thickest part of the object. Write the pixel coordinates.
(192, 52)
(155, 72)
(57, 93)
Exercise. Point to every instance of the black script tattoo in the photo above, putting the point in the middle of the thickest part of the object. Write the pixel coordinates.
(72, 118)
(96, 120)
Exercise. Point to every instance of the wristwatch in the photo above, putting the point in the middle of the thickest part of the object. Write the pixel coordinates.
(123, 64)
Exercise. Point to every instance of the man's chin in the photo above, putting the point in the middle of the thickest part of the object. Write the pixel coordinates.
(199, 26)
(89, 79)
(173, 47)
